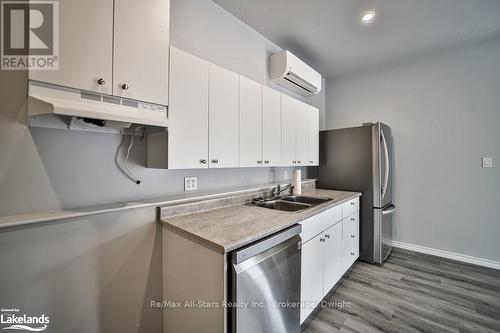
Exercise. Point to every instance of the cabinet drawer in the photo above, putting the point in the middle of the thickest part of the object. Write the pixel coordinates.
(320, 222)
(350, 223)
(350, 207)
(350, 241)
(349, 259)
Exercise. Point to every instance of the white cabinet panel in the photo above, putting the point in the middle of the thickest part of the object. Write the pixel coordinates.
(311, 285)
(85, 46)
(271, 126)
(333, 257)
(250, 123)
(313, 136)
(350, 207)
(320, 222)
(223, 122)
(288, 132)
(302, 133)
(141, 39)
(188, 111)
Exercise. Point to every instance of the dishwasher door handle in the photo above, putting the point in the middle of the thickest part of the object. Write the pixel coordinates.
(267, 243)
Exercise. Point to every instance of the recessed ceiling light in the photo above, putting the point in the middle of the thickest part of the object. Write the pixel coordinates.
(368, 17)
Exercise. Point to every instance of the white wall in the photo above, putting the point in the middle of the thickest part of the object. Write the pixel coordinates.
(444, 110)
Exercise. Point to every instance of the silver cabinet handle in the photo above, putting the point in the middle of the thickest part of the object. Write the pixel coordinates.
(327, 236)
(311, 162)
(101, 81)
(352, 203)
(203, 161)
(294, 162)
(125, 86)
(259, 162)
(215, 161)
(322, 240)
(299, 162)
(266, 161)
(352, 236)
(352, 253)
(353, 219)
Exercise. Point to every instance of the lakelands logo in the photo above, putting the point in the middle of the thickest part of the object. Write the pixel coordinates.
(12, 319)
(29, 35)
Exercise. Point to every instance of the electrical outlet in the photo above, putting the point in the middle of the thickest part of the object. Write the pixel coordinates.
(487, 162)
(190, 183)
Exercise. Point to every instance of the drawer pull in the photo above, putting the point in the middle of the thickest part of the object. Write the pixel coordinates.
(322, 240)
(327, 236)
(353, 219)
(352, 203)
(352, 236)
(352, 253)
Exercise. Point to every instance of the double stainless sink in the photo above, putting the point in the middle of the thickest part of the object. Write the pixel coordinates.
(290, 203)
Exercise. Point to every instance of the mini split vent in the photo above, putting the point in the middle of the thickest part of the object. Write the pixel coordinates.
(293, 74)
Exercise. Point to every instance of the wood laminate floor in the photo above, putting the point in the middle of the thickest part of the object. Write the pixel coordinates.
(412, 292)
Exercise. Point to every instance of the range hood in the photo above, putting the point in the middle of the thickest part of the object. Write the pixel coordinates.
(55, 106)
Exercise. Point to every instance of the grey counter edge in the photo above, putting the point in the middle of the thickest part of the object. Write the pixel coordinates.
(25, 220)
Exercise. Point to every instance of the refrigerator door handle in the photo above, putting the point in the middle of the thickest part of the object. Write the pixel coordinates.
(391, 209)
(387, 166)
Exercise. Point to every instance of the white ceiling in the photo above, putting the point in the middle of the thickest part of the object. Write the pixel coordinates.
(327, 34)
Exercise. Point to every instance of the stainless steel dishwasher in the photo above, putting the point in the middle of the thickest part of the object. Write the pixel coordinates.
(265, 284)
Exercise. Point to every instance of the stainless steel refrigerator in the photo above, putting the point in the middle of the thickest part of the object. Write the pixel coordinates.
(361, 159)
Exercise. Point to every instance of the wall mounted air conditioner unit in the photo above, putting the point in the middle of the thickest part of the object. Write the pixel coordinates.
(293, 74)
(54, 106)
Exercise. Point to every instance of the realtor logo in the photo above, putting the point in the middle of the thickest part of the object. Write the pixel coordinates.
(30, 35)
(14, 319)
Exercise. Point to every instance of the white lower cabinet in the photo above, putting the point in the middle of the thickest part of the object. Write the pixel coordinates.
(330, 245)
(332, 257)
(311, 284)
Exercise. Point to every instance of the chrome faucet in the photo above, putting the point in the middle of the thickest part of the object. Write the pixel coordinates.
(276, 192)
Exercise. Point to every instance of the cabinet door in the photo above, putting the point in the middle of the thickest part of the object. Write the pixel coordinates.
(333, 257)
(250, 123)
(302, 133)
(288, 108)
(311, 284)
(188, 111)
(271, 126)
(85, 46)
(140, 67)
(313, 136)
(223, 121)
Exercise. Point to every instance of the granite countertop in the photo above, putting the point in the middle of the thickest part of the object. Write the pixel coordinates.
(229, 228)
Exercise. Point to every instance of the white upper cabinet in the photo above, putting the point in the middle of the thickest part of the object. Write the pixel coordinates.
(113, 47)
(288, 130)
(223, 117)
(141, 40)
(271, 126)
(85, 46)
(313, 136)
(250, 123)
(188, 111)
(219, 119)
(302, 133)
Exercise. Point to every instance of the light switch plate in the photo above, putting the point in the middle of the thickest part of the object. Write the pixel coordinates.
(487, 162)
(190, 183)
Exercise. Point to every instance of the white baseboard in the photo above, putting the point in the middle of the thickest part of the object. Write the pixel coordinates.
(449, 255)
